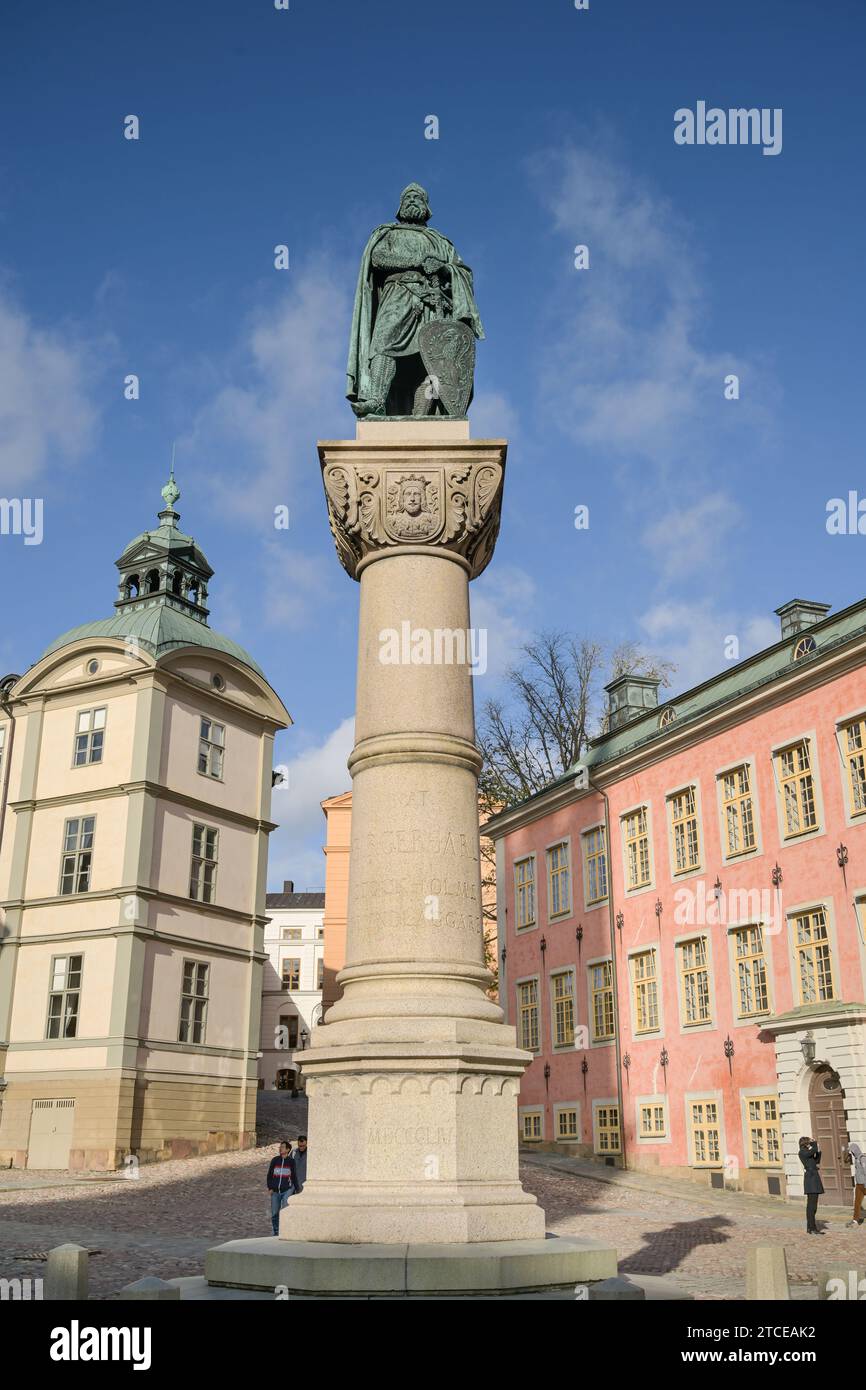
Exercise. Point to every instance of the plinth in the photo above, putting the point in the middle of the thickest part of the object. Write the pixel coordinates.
(413, 1078)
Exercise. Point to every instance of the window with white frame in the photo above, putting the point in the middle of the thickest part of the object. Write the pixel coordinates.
(607, 1140)
(797, 788)
(566, 1123)
(695, 981)
(524, 892)
(203, 870)
(752, 995)
(64, 997)
(645, 991)
(601, 999)
(738, 810)
(77, 858)
(652, 1120)
(562, 993)
(291, 969)
(193, 1001)
(558, 880)
(813, 956)
(853, 736)
(89, 737)
(595, 865)
(527, 1014)
(765, 1134)
(685, 834)
(705, 1131)
(531, 1125)
(637, 853)
(211, 747)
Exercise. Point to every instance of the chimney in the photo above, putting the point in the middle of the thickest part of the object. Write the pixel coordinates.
(288, 885)
(800, 614)
(628, 696)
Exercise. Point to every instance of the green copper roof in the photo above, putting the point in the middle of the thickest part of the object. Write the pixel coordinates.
(163, 588)
(159, 629)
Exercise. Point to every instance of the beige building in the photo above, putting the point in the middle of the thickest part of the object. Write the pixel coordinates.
(135, 792)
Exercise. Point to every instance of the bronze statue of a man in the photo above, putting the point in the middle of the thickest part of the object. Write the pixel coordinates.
(415, 321)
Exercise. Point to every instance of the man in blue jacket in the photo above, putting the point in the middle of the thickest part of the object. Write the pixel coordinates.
(281, 1182)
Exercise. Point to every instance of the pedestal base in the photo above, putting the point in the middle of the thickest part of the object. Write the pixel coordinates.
(485, 1269)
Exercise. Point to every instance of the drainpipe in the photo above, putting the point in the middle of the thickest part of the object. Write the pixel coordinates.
(6, 685)
(614, 973)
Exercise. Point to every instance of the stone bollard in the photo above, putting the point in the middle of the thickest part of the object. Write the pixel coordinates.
(617, 1288)
(152, 1289)
(841, 1282)
(66, 1273)
(767, 1274)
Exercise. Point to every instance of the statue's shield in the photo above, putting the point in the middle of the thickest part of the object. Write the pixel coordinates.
(448, 353)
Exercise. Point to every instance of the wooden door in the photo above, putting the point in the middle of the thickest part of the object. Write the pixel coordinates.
(51, 1125)
(830, 1128)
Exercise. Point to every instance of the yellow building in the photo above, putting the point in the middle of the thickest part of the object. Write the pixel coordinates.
(135, 791)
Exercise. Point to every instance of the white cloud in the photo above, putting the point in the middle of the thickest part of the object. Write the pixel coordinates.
(46, 415)
(316, 773)
(694, 637)
(491, 416)
(626, 369)
(281, 390)
(296, 583)
(502, 602)
(690, 540)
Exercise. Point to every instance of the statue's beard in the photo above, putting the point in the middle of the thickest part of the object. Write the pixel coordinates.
(413, 212)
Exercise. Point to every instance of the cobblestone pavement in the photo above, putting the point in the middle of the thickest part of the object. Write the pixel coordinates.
(696, 1240)
(163, 1222)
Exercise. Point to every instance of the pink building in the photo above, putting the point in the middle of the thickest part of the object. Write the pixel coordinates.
(682, 921)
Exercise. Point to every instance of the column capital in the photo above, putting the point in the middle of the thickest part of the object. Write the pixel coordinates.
(413, 487)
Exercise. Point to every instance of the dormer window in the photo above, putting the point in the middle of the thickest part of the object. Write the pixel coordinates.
(805, 647)
(667, 717)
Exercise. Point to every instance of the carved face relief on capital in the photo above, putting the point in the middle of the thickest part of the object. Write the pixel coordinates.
(413, 507)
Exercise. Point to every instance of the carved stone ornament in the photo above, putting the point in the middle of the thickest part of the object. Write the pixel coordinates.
(378, 508)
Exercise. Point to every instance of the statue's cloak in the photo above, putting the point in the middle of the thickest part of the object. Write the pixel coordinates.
(364, 311)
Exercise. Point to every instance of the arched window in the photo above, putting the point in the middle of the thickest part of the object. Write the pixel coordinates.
(805, 647)
(177, 583)
(152, 582)
(132, 586)
(192, 591)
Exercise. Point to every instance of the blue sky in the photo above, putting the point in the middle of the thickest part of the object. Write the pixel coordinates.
(261, 127)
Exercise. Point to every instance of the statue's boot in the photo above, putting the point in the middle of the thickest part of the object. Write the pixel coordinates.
(382, 372)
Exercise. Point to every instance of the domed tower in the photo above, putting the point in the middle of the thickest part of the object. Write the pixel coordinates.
(136, 764)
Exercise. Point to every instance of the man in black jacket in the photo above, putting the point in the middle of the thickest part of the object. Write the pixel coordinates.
(810, 1157)
(282, 1182)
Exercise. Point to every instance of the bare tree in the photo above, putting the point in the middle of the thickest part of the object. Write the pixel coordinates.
(553, 706)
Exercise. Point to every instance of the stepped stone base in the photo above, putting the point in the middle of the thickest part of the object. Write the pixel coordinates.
(482, 1269)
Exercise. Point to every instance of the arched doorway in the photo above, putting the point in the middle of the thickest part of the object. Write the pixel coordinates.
(830, 1128)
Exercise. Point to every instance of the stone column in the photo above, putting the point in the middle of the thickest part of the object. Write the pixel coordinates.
(413, 1077)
